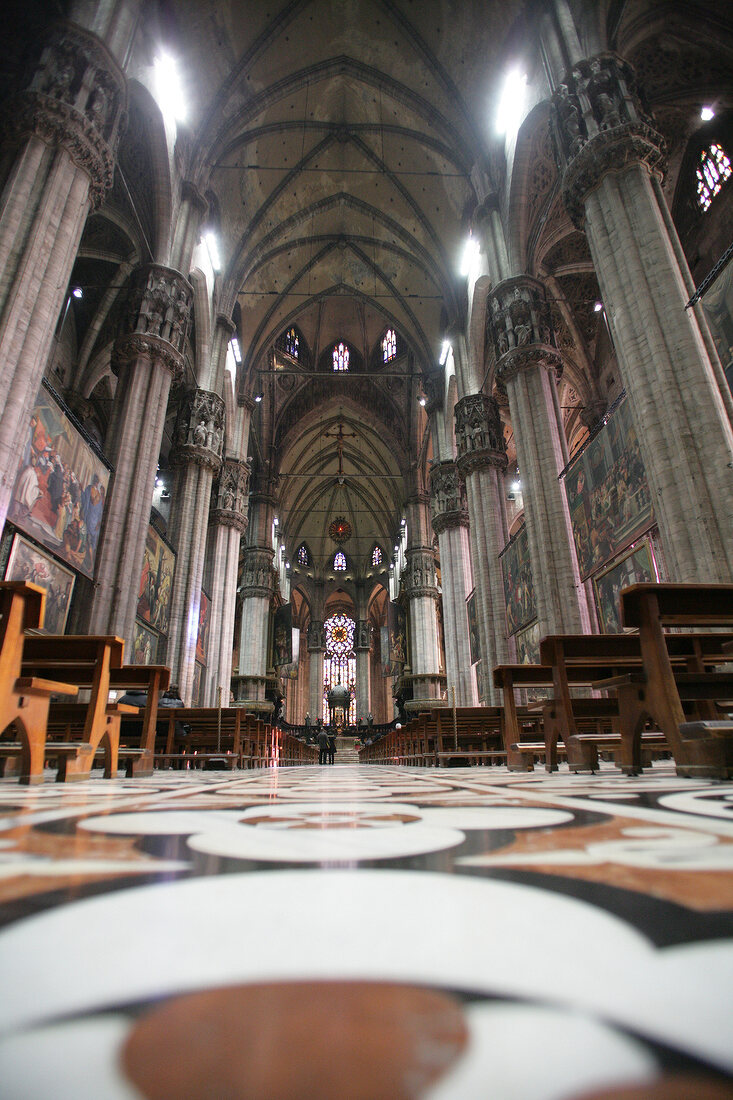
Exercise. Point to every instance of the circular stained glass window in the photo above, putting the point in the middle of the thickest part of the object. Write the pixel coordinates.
(340, 529)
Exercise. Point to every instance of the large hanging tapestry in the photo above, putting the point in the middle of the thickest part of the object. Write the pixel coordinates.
(473, 638)
(202, 635)
(608, 495)
(634, 567)
(521, 604)
(61, 487)
(28, 563)
(156, 582)
(393, 639)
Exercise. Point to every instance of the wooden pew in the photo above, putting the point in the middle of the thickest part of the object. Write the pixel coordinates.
(699, 748)
(95, 663)
(24, 699)
(476, 738)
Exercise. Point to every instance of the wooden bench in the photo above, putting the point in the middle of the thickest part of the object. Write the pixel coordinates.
(473, 735)
(95, 663)
(24, 698)
(583, 748)
(652, 608)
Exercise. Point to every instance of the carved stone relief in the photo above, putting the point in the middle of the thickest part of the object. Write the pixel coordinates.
(230, 501)
(199, 433)
(479, 434)
(447, 497)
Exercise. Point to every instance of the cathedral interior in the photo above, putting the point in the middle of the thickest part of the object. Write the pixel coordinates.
(364, 344)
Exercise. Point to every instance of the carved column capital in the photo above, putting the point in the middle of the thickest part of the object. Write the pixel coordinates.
(199, 433)
(447, 497)
(601, 125)
(519, 325)
(316, 636)
(191, 194)
(159, 308)
(479, 434)
(77, 99)
(257, 574)
(229, 502)
(419, 573)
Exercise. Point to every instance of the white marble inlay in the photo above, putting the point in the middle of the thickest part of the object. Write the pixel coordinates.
(71, 1061)
(333, 845)
(717, 802)
(449, 931)
(160, 822)
(569, 1055)
(495, 817)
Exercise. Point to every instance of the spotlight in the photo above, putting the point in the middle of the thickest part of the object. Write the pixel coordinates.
(598, 307)
(422, 402)
(258, 398)
(276, 521)
(78, 292)
(707, 113)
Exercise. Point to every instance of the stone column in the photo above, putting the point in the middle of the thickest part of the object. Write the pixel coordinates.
(316, 649)
(61, 136)
(520, 327)
(227, 524)
(422, 592)
(481, 461)
(199, 435)
(363, 669)
(450, 523)
(611, 159)
(257, 590)
(145, 360)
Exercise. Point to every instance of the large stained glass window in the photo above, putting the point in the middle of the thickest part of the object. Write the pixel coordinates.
(340, 357)
(339, 561)
(389, 345)
(712, 172)
(303, 557)
(377, 557)
(339, 661)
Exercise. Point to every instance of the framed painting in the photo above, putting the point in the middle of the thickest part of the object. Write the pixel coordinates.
(28, 563)
(635, 566)
(521, 604)
(144, 645)
(473, 638)
(60, 489)
(198, 670)
(202, 636)
(528, 645)
(156, 582)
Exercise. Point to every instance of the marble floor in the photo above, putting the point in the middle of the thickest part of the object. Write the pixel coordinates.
(359, 932)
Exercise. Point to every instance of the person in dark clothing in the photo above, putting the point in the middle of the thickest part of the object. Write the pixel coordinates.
(322, 746)
(331, 748)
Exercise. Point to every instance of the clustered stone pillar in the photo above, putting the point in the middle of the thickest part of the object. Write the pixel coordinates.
(60, 137)
(520, 326)
(199, 436)
(316, 649)
(611, 158)
(257, 590)
(227, 524)
(481, 461)
(450, 523)
(146, 360)
(362, 645)
(422, 594)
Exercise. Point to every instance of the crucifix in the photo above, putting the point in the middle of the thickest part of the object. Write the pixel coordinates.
(340, 436)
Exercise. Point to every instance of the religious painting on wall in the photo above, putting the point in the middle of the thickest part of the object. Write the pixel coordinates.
(473, 638)
(27, 563)
(394, 640)
(521, 604)
(156, 582)
(144, 644)
(634, 567)
(608, 495)
(202, 637)
(528, 645)
(196, 688)
(61, 487)
(282, 636)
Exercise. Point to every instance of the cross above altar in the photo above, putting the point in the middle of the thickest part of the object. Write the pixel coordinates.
(340, 436)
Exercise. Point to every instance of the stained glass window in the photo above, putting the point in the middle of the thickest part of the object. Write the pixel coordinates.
(389, 345)
(712, 172)
(303, 557)
(340, 357)
(377, 556)
(292, 343)
(339, 661)
(339, 561)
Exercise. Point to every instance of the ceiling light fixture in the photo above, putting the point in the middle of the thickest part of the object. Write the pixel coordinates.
(78, 292)
(707, 113)
(598, 307)
(422, 401)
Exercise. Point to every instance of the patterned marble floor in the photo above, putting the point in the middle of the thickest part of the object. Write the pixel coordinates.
(365, 933)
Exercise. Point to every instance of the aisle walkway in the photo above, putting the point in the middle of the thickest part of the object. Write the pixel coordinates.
(373, 933)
